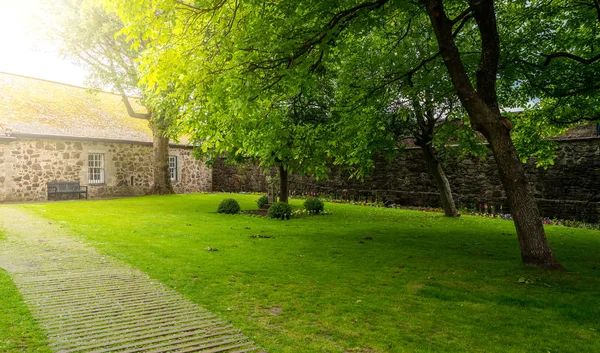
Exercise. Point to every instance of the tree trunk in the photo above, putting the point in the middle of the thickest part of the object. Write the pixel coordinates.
(535, 250)
(482, 106)
(436, 171)
(283, 184)
(160, 149)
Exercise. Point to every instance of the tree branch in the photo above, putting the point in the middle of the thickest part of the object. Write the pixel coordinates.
(487, 71)
(575, 120)
(550, 57)
(557, 93)
(130, 110)
(481, 114)
(201, 10)
(341, 17)
(462, 19)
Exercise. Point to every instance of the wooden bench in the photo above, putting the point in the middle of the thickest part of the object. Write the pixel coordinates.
(66, 187)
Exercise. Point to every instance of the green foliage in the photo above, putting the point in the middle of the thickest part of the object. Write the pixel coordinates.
(229, 206)
(314, 205)
(263, 200)
(456, 139)
(553, 55)
(93, 38)
(533, 135)
(549, 65)
(301, 83)
(280, 210)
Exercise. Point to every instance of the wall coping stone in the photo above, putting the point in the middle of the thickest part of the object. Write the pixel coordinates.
(578, 139)
(559, 140)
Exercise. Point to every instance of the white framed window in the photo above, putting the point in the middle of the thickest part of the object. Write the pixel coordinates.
(96, 169)
(173, 168)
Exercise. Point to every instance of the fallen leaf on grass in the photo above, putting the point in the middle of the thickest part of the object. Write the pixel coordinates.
(275, 311)
(260, 236)
(526, 280)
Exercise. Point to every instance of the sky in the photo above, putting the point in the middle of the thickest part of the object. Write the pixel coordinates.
(26, 48)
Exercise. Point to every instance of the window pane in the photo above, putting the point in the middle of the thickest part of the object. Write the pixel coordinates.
(96, 168)
(173, 167)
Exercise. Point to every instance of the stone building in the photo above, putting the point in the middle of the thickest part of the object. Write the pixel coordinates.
(56, 132)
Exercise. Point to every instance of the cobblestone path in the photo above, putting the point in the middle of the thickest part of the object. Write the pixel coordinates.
(89, 302)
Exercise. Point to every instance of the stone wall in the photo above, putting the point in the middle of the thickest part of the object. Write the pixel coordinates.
(3, 178)
(27, 165)
(248, 177)
(193, 174)
(568, 189)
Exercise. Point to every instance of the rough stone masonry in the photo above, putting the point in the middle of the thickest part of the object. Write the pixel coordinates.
(26, 165)
(570, 189)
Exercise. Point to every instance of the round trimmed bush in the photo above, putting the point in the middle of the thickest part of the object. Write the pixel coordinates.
(280, 210)
(314, 205)
(229, 206)
(263, 200)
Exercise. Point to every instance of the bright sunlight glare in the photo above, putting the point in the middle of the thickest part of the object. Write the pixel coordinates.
(26, 48)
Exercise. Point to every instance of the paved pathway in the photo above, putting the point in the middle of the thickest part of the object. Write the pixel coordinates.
(89, 302)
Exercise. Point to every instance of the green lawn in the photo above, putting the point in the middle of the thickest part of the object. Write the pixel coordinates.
(424, 283)
(18, 330)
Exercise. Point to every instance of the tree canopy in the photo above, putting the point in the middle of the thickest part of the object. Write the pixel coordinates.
(233, 65)
(91, 36)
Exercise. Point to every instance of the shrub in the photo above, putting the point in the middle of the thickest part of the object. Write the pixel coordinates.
(263, 200)
(229, 206)
(314, 205)
(280, 210)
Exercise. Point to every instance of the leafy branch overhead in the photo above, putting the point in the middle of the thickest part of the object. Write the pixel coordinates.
(92, 37)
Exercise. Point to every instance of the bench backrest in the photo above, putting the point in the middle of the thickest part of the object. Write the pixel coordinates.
(64, 185)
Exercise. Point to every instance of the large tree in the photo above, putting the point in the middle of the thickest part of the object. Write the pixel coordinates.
(421, 119)
(478, 95)
(263, 50)
(411, 106)
(291, 134)
(90, 35)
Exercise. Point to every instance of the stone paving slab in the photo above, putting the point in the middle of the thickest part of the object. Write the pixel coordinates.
(89, 302)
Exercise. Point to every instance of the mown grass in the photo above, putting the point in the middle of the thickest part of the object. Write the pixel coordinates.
(424, 283)
(19, 332)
